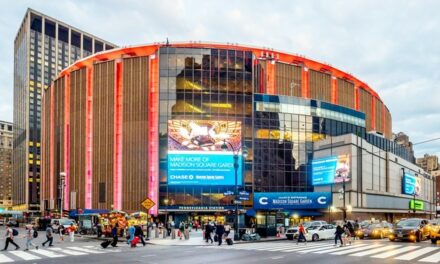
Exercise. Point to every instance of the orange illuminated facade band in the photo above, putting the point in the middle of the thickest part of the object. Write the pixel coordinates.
(208, 93)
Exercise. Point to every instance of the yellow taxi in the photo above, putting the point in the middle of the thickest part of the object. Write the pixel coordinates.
(434, 230)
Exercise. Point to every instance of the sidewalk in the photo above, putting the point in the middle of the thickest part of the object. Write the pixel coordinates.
(195, 239)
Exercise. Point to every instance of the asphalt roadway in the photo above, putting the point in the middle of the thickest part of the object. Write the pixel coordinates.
(362, 251)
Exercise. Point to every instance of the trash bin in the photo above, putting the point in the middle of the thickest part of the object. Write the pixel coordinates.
(241, 232)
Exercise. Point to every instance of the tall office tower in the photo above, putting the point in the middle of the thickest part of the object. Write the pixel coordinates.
(42, 48)
(5, 164)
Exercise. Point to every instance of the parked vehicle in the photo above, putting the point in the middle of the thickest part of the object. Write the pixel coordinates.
(315, 233)
(412, 229)
(66, 222)
(434, 230)
(292, 233)
(378, 230)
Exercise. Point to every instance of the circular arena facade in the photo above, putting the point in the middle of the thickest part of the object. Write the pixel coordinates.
(151, 121)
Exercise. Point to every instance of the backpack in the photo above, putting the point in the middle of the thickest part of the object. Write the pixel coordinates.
(35, 234)
(14, 232)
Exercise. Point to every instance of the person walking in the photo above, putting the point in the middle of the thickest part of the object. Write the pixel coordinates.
(71, 231)
(227, 230)
(301, 234)
(30, 235)
(115, 235)
(49, 236)
(10, 238)
(338, 235)
(220, 231)
(347, 231)
(61, 231)
(131, 231)
(139, 233)
(208, 231)
(181, 230)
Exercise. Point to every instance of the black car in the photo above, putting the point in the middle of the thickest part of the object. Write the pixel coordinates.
(412, 229)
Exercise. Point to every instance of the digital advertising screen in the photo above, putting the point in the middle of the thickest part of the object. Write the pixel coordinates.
(411, 184)
(292, 200)
(330, 170)
(195, 156)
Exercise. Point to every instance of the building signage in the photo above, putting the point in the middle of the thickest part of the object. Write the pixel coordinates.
(207, 208)
(417, 205)
(195, 156)
(411, 184)
(292, 200)
(330, 170)
(243, 196)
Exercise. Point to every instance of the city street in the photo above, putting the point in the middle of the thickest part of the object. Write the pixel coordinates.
(86, 250)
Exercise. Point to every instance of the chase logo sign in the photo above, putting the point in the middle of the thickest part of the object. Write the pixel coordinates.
(298, 200)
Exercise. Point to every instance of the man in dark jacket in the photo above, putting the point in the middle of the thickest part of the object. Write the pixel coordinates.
(115, 235)
(219, 231)
(139, 233)
(208, 231)
(338, 235)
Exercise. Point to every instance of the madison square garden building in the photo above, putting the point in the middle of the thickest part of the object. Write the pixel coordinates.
(164, 121)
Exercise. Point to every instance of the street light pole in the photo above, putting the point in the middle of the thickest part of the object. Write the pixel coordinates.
(343, 198)
(236, 165)
(62, 184)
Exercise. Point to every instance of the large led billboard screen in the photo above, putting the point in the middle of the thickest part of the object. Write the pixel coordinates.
(411, 185)
(330, 170)
(195, 156)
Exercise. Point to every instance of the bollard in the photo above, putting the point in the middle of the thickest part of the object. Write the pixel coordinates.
(156, 232)
(164, 232)
(173, 233)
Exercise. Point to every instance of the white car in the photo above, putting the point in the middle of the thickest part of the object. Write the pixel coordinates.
(315, 233)
(292, 233)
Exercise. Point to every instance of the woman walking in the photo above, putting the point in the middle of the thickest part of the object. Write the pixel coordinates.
(30, 235)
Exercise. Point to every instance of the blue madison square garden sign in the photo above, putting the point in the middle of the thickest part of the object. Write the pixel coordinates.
(292, 200)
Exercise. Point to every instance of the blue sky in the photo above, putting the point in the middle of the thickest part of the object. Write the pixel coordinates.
(394, 46)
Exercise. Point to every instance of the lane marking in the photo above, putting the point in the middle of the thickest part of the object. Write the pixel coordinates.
(373, 251)
(68, 252)
(355, 250)
(86, 250)
(338, 248)
(24, 255)
(4, 259)
(315, 249)
(433, 258)
(306, 247)
(47, 253)
(395, 252)
(416, 254)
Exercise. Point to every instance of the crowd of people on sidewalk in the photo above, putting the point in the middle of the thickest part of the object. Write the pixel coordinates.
(219, 230)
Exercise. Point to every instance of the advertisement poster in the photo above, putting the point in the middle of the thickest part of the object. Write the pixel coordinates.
(292, 200)
(195, 156)
(411, 184)
(330, 170)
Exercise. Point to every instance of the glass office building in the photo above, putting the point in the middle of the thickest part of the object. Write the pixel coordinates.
(42, 48)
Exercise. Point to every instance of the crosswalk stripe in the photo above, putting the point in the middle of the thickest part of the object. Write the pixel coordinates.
(86, 250)
(24, 255)
(315, 249)
(416, 254)
(305, 247)
(339, 249)
(4, 259)
(433, 258)
(279, 248)
(395, 252)
(68, 252)
(47, 253)
(373, 251)
(256, 247)
(348, 251)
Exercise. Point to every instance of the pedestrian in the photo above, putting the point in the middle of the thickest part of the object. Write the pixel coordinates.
(227, 230)
(196, 225)
(130, 235)
(181, 230)
(220, 231)
(347, 233)
(173, 230)
(356, 228)
(10, 237)
(186, 231)
(115, 235)
(139, 233)
(49, 236)
(30, 235)
(301, 234)
(169, 228)
(71, 231)
(61, 230)
(338, 235)
(208, 231)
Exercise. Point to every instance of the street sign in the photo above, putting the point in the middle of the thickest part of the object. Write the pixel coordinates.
(243, 196)
(148, 203)
(228, 193)
(416, 205)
